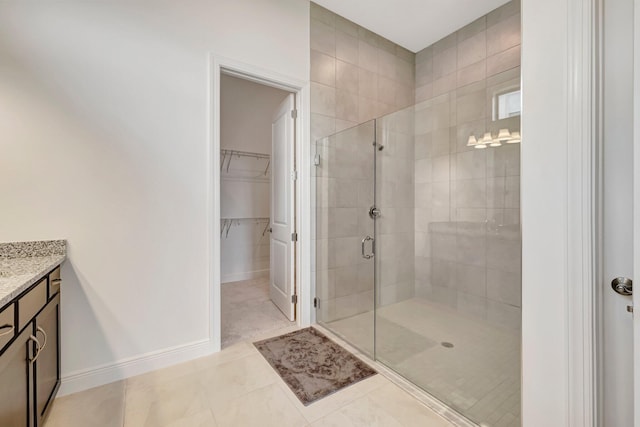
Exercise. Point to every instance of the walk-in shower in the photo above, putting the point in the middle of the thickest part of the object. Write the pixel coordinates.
(418, 244)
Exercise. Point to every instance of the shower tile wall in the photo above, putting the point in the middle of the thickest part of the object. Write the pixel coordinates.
(356, 76)
(467, 241)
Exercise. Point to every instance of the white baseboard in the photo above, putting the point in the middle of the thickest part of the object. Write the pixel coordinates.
(247, 275)
(125, 368)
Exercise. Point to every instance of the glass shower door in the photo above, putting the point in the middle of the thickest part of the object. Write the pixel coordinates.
(344, 245)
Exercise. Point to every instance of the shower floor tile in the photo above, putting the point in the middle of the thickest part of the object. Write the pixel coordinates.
(479, 375)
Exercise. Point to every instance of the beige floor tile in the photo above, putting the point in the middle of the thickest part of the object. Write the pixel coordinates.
(200, 419)
(161, 376)
(98, 407)
(231, 380)
(247, 311)
(228, 354)
(164, 403)
(404, 408)
(264, 407)
(362, 412)
(335, 401)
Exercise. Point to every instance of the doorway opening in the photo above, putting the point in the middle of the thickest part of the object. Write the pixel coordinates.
(257, 208)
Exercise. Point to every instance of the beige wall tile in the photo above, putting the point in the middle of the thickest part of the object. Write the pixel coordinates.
(387, 45)
(386, 90)
(503, 61)
(471, 193)
(346, 105)
(471, 279)
(503, 35)
(471, 164)
(472, 50)
(471, 106)
(472, 29)
(321, 14)
(424, 92)
(323, 37)
(366, 109)
(368, 36)
(404, 72)
(503, 12)
(503, 286)
(405, 96)
(321, 126)
(445, 62)
(346, 26)
(367, 84)
(472, 73)
(405, 54)
(323, 99)
(386, 64)
(347, 77)
(446, 43)
(323, 68)
(444, 84)
(346, 47)
(367, 56)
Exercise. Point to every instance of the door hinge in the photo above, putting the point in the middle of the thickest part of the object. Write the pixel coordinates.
(294, 299)
(294, 114)
(294, 237)
(294, 175)
(316, 160)
(316, 302)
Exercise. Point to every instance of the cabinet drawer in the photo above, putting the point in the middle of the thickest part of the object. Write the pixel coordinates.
(7, 325)
(30, 303)
(54, 282)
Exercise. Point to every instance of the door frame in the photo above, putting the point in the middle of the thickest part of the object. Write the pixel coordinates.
(561, 213)
(217, 66)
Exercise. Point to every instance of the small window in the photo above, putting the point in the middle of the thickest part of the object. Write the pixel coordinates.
(507, 105)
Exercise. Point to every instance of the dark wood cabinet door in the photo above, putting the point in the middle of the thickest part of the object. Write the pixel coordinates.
(47, 365)
(15, 382)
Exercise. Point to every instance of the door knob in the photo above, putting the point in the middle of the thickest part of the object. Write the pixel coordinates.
(622, 285)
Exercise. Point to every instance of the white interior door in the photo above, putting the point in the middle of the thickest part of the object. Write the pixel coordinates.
(282, 284)
(618, 219)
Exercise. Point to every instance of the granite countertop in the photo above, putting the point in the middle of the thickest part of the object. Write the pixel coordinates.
(24, 263)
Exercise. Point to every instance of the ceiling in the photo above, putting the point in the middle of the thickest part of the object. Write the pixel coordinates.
(413, 24)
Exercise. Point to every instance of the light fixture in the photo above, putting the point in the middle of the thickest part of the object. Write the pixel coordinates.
(487, 140)
(515, 138)
(504, 135)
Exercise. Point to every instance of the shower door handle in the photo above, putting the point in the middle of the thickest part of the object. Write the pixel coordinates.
(364, 241)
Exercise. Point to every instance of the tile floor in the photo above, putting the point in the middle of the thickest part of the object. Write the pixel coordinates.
(479, 377)
(236, 387)
(247, 311)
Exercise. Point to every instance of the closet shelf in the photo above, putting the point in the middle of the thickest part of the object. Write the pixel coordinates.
(228, 222)
(226, 156)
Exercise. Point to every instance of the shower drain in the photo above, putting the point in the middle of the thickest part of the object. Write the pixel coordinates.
(446, 344)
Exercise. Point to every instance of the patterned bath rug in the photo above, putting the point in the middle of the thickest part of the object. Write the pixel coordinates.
(311, 364)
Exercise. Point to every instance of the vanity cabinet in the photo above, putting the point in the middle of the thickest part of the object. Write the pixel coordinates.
(30, 359)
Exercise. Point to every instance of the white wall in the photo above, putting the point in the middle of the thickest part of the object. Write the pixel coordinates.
(246, 113)
(544, 213)
(104, 130)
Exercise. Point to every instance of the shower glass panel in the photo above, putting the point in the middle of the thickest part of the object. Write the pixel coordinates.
(344, 264)
(448, 266)
(440, 302)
